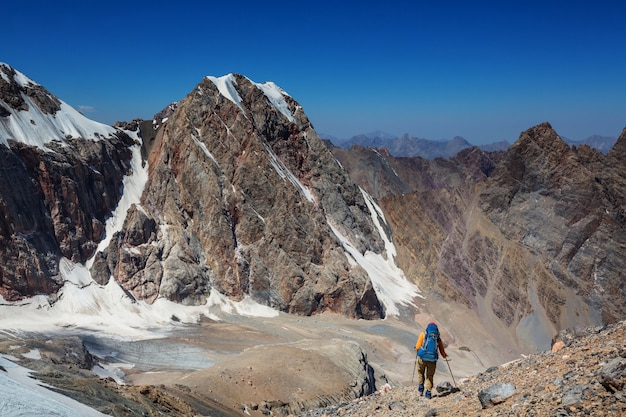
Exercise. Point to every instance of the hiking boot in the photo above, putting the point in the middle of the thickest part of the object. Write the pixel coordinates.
(428, 394)
(420, 388)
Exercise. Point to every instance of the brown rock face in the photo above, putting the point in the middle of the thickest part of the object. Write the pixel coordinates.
(567, 210)
(54, 204)
(54, 198)
(240, 199)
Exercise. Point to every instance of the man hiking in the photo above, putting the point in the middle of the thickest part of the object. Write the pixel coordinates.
(428, 346)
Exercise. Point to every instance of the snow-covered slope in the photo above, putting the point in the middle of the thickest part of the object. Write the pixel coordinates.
(389, 281)
(21, 395)
(33, 126)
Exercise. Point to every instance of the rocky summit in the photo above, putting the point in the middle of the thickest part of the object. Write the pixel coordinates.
(242, 197)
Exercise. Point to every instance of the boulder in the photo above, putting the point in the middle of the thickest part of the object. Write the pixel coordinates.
(612, 375)
(445, 388)
(496, 394)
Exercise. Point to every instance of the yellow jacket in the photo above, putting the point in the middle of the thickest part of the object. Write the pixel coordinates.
(420, 342)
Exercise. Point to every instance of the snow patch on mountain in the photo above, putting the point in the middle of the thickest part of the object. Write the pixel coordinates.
(275, 95)
(22, 395)
(205, 150)
(21, 79)
(226, 86)
(134, 185)
(285, 173)
(108, 309)
(35, 128)
(390, 284)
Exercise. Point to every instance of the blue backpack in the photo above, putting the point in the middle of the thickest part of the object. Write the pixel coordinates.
(430, 349)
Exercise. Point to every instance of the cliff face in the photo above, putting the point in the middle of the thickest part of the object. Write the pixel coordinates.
(60, 177)
(242, 197)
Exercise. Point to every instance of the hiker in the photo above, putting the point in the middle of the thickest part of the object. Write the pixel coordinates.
(428, 347)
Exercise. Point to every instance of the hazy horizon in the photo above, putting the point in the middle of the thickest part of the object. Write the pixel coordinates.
(338, 140)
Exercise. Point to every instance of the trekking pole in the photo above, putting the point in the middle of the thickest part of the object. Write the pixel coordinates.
(414, 367)
(450, 369)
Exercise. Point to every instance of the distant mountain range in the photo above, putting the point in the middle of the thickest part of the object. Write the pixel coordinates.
(601, 143)
(409, 145)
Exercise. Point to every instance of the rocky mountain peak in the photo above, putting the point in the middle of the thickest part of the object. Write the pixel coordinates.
(542, 181)
(534, 162)
(16, 89)
(542, 139)
(243, 198)
(533, 235)
(230, 86)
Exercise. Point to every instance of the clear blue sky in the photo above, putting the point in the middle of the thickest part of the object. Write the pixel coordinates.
(484, 70)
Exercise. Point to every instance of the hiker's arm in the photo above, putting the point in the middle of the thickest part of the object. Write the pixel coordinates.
(441, 349)
(420, 341)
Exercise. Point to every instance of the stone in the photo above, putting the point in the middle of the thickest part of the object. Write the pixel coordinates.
(445, 388)
(612, 375)
(558, 346)
(573, 395)
(496, 394)
(433, 412)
